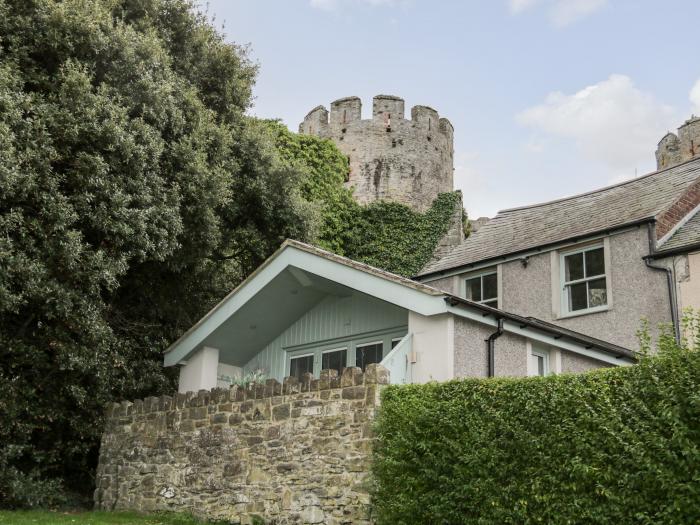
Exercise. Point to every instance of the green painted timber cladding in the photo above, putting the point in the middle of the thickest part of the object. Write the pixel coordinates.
(331, 319)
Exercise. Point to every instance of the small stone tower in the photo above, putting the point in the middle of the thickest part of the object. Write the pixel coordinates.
(674, 149)
(391, 157)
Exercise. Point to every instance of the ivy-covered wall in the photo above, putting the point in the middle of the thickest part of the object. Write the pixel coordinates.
(387, 235)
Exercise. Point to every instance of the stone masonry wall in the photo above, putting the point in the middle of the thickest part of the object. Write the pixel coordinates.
(676, 148)
(296, 452)
(391, 158)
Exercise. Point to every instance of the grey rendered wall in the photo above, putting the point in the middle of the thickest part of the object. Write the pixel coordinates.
(446, 284)
(637, 292)
(574, 363)
(471, 355)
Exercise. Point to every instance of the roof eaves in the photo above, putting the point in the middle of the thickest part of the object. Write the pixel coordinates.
(533, 322)
(405, 281)
(420, 287)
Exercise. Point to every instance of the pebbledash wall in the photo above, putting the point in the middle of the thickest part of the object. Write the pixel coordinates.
(391, 157)
(292, 452)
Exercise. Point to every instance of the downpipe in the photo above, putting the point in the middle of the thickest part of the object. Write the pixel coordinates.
(491, 345)
(670, 281)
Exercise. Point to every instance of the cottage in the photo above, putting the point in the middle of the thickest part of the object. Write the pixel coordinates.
(596, 263)
(560, 286)
(306, 309)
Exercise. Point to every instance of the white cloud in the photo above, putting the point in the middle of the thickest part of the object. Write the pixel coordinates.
(695, 97)
(332, 5)
(560, 12)
(612, 122)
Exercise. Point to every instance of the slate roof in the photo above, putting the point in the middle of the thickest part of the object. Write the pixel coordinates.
(520, 229)
(684, 237)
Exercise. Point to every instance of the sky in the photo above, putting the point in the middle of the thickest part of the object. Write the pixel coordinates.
(548, 98)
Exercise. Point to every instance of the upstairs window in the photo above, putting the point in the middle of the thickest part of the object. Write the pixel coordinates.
(585, 285)
(483, 289)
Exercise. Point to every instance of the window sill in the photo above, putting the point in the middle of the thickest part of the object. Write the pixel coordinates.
(579, 313)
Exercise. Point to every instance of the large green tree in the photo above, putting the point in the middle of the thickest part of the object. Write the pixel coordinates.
(133, 194)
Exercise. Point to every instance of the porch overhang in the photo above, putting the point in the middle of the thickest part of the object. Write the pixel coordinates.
(287, 285)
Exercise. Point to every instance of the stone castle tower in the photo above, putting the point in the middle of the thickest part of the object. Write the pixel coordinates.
(674, 149)
(391, 157)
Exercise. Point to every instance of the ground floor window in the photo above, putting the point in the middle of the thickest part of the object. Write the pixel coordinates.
(300, 365)
(357, 350)
(369, 353)
(334, 359)
(539, 363)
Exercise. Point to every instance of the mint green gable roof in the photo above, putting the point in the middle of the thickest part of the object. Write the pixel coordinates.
(293, 280)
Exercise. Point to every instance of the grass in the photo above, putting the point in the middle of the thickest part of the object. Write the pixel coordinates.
(38, 517)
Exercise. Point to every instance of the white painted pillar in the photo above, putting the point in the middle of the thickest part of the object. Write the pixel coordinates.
(200, 371)
(433, 344)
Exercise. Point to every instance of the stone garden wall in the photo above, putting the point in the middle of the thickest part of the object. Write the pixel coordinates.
(296, 452)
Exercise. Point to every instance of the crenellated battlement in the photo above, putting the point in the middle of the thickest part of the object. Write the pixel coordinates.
(385, 109)
(391, 157)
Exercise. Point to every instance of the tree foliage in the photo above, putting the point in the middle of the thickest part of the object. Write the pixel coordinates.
(611, 446)
(134, 194)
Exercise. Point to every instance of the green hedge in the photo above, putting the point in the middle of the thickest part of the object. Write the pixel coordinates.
(613, 446)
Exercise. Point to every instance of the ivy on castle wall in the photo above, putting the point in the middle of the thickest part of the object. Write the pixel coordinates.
(325, 168)
(387, 235)
(393, 237)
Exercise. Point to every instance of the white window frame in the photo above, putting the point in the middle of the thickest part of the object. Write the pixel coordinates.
(563, 284)
(481, 275)
(545, 362)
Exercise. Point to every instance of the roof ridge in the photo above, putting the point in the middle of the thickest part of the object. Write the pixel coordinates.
(359, 265)
(597, 190)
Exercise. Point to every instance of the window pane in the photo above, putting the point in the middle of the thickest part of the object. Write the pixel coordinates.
(394, 342)
(490, 287)
(492, 304)
(597, 293)
(335, 360)
(368, 354)
(577, 297)
(474, 289)
(595, 263)
(298, 366)
(536, 364)
(574, 266)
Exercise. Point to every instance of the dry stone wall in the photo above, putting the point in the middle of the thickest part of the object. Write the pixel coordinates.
(296, 452)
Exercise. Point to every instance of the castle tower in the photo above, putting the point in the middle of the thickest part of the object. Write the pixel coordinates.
(391, 157)
(674, 149)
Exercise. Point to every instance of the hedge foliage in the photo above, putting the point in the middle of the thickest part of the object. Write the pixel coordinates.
(612, 446)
